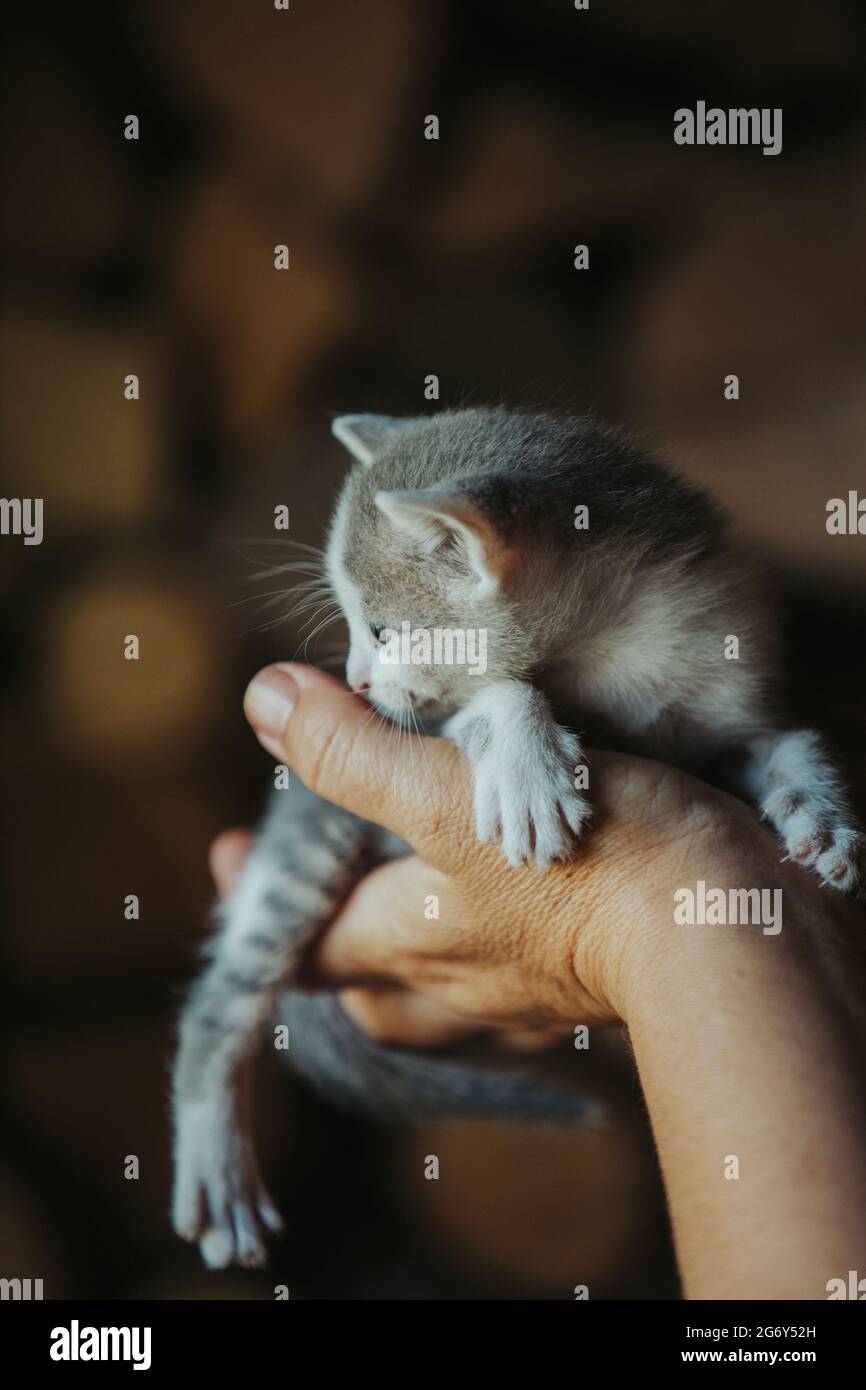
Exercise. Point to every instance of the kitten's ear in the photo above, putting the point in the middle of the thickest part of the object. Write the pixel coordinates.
(365, 436)
(435, 515)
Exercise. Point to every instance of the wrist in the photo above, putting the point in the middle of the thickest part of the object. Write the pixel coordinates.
(642, 949)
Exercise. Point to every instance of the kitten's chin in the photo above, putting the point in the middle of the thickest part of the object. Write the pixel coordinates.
(401, 714)
(412, 713)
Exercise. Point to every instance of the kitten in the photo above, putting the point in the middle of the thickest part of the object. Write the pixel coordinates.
(468, 519)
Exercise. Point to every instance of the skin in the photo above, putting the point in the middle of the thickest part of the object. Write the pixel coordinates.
(747, 1045)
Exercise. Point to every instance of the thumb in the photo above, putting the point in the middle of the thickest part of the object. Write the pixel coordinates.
(312, 722)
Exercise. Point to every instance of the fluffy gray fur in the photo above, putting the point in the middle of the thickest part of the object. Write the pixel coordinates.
(466, 520)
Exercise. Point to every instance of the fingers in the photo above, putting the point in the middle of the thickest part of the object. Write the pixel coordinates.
(382, 928)
(398, 1017)
(418, 788)
(227, 855)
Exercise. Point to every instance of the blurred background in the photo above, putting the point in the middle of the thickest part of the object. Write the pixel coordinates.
(409, 258)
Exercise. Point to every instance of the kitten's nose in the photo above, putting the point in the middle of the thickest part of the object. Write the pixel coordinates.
(360, 687)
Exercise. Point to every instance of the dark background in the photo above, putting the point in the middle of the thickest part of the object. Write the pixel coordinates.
(408, 257)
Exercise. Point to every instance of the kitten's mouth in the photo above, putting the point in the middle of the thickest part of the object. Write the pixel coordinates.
(420, 708)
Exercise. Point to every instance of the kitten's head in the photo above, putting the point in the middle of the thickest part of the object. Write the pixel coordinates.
(457, 536)
(437, 585)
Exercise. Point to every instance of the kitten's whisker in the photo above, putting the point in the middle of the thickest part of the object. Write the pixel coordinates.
(272, 571)
(412, 741)
(314, 563)
(311, 599)
(326, 622)
(251, 598)
(368, 718)
(302, 563)
(268, 600)
(314, 599)
(282, 618)
(286, 542)
(323, 603)
(421, 743)
(393, 748)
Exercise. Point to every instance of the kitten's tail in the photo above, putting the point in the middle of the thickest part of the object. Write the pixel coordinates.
(396, 1083)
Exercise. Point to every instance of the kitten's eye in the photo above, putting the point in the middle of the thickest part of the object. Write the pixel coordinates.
(377, 629)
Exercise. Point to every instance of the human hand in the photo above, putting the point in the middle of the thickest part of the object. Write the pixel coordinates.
(511, 949)
(741, 1040)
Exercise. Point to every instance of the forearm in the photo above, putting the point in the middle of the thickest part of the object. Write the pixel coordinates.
(750, 1050)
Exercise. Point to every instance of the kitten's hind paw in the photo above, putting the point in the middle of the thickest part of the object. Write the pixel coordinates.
(841, 865)
(817, 836)
(219, 1199)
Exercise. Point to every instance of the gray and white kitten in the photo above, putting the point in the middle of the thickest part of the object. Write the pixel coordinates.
(466, 519)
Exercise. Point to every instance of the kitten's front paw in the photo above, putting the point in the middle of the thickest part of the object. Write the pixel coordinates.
(525, 792)
(219, 1199)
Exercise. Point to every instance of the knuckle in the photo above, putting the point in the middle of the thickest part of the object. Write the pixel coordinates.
(368, 1019)
(445, 832)
(372, 1017)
